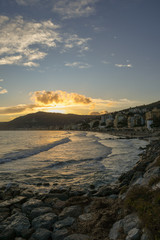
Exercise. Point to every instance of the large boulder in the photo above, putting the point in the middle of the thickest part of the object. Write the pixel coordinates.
(67, 222)
(44, 221)
(19, 223)
(72, 211)
(42, 234)
(28, 206)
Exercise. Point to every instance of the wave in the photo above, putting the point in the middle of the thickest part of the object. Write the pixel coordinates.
(32, 151)
(70, 162)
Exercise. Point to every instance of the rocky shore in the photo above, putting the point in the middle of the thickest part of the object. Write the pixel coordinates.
(127, 210)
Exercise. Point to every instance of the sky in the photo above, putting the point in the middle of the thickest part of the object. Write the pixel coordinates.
(78, 56)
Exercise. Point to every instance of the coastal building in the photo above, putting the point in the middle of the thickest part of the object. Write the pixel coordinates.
(120, 120)
(137, 120)
(153, 118)
(109, 120)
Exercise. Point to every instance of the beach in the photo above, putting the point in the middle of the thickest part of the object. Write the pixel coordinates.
(81, 213)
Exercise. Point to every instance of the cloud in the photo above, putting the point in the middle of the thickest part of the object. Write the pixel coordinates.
(74, 8)
(78, 65)
(74, 40)
(124, 65)
(17, 109)
(3, 91)
(19, 37)
(25, 42)
(62, 101)
(26, 2)
(59, 97)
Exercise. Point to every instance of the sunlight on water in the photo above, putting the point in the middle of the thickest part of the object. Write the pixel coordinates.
(65, 158)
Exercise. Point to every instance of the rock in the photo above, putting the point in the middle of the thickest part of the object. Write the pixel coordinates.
(8, 234)
(19, 238)
(134, 234)
(40, 211)
(12, 201)
(152, 172)
(28, 206)
(44, 221)
(135, 177)
(42, 234)
(62, 196)
(67, 222)
(60, 234)
(72, 211)
(59, 205)
(86, 217)
(26, 233)
(19, 223)
(145, 236)
(130, 221)
(106, 191)
(116, 230)
(77, 237)
(76, 193)
(27, 193)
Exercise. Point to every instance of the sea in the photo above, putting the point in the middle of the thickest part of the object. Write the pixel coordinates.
(37, 159)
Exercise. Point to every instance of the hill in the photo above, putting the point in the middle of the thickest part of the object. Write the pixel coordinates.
(44, 120)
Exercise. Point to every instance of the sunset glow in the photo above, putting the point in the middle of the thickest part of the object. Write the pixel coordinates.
(78, 56)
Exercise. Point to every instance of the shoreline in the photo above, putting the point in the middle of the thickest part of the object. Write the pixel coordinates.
(80, 215)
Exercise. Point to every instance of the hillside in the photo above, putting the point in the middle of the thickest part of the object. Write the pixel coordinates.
(43, 120)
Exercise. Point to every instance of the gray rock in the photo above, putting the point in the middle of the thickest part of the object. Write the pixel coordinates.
(19, 223)
(145, 236)
(77, 237)
(134, 234)
(64, 223)
(72, 211)
(28, 206)
(44, 221)
(42, 234)
(12, 201)
(86, 217)
(131, 221)
(60, 234)
(36, 212)
(116, 229)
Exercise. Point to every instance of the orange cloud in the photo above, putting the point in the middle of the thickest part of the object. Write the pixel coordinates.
(60, 97)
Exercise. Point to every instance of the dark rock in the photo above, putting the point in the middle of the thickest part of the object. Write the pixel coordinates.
(44, 221)
(106, 191)
(60, 234)
(12, 201)
(27, 193)
(72, 211)
(136, 176)
(42, 234)
(67, 222)
(19, 223)
(26, 233)
(62, 196)
(40, 211)
(77, 237)
(77, 193)
(8, 234)
(28, 206)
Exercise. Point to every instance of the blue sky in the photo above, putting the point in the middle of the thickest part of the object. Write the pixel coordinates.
(78, 56)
